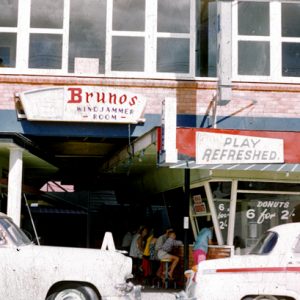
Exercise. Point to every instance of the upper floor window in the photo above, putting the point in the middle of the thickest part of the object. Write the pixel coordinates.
(157, 38)
(8, 33)
(266, 39)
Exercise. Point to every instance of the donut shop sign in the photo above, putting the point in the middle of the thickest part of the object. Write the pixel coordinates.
(83, 104)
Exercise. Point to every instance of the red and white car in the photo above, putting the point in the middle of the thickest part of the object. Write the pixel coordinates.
(271, 271)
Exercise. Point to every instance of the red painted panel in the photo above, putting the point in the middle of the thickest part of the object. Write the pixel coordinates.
(186, 140)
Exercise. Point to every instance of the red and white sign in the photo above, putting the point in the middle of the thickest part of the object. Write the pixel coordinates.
(83, 104)
(218, 148)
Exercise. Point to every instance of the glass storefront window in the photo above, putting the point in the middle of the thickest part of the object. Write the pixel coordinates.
(128, 54)
(173, 55)
(87, 32)
(9, 13)
(253, 58)
(173, 16)
(47, 13)
(249, 11)
(259, 207)
(257, 211)
(8, 43)
(129, 15)
(45, 51)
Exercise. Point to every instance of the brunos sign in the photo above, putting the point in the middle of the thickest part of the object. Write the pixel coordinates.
(83, 104)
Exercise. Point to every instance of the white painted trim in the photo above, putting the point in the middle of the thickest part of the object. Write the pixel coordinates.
(213, 212)
(108, 43)
(22, 51)
(232, 212)
(65, 39)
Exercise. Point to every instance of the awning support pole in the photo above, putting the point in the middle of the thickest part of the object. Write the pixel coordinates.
(213, 212)
(186, 217)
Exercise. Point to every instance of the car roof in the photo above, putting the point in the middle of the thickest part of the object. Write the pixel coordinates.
(284, 228)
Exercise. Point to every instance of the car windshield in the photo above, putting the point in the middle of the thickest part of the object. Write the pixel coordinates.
(265, 244)
(18, 237)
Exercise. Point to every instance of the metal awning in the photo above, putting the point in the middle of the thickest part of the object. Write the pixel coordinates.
(291, 168)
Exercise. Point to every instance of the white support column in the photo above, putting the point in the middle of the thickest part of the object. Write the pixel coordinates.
(232, 212)
(224, 56)
(15, 184)
(213, 212)
(224, 66)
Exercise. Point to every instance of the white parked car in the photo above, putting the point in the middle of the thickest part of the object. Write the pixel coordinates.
(31, 272)
(271, 271)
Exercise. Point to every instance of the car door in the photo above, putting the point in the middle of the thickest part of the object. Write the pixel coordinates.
(16, 278)
(293, 267)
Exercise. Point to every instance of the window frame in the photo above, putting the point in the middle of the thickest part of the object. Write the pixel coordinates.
(23, 31)
(275, 40)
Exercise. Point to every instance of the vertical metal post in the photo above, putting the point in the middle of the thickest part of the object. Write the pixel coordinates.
(186, 217)
(88, 223)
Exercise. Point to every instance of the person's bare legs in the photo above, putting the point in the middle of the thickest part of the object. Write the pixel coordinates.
(174, 260)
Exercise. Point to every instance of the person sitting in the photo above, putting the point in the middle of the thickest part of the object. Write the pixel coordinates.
(203, 239)
(158, 245)
(166, 249)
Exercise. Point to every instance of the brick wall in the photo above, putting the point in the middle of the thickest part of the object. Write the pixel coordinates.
(193, 97)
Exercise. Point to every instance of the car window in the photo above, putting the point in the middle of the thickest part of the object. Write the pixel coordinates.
(15, 234)
(2, 238)
(265, 244)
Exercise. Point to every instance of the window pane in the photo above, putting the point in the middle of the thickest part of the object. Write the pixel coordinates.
(173, 16)
(127, 53)
(9, 13)
(173, 55)
(45, 51)
(8, 42)
(291, 59)
(87, 31)
(290, 19)
(253, 18)
(253, 58)
(206, 51)
(47, 13)
(129, 15)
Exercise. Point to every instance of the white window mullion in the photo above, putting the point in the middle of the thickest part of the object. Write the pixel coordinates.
(192, 37)
(108, 48)
(150, 36)
(275, 41)
(235, 40)
(65, 38)
(22, 54)
(47, 31)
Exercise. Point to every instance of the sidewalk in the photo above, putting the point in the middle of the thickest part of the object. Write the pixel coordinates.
(149, 293)
(160, 293)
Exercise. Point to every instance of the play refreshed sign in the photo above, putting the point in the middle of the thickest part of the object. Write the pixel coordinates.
(216, 148)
